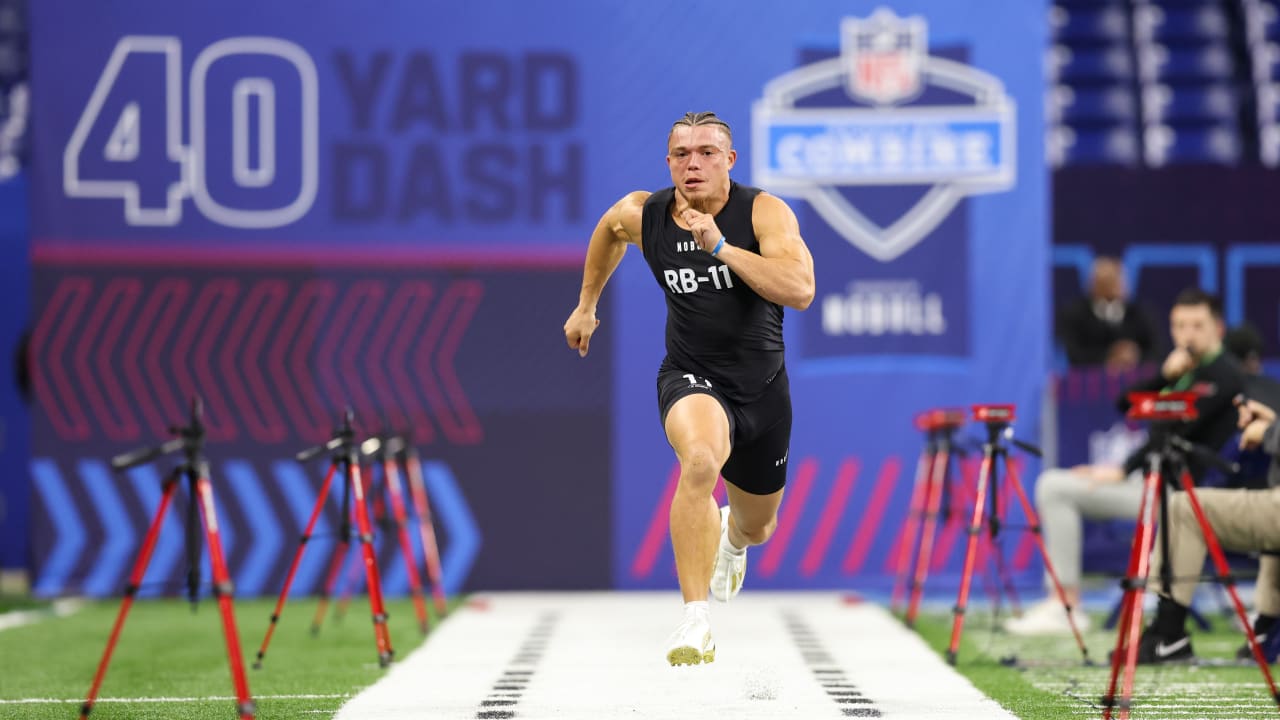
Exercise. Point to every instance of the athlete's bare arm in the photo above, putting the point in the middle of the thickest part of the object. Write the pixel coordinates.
(783, 271)
(619, 226)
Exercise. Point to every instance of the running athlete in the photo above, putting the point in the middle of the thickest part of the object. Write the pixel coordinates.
(728, 258)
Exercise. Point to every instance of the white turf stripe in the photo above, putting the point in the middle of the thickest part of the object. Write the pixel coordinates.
(212, 698)
(18, 618)
(605, 658)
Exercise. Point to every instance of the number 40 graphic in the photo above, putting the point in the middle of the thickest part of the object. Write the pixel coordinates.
(109, 153)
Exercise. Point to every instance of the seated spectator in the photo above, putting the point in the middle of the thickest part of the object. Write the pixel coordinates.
(1243, 520)
(1245, 343)
(1064, 498)
(1104, 327)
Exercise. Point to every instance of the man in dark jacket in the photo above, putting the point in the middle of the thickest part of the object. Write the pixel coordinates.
(1104, 327)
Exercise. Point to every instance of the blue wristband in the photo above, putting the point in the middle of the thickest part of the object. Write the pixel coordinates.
(718, 246)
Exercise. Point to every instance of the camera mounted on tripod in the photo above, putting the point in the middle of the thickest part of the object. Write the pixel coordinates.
(994, 414)
(939, 420)
(190, 439)
(1164, 412)
(1163, 407)
(999, 420)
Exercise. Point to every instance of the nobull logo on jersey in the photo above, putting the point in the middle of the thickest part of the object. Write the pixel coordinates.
(959, 146)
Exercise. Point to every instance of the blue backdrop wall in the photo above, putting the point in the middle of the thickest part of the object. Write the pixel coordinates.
(289, 208)
(15, 421)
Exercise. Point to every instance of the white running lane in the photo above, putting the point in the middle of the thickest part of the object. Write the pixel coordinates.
(596, 656)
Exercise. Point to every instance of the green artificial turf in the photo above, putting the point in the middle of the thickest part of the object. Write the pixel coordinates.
(9, 603)
(166, 651)
(1051, 681)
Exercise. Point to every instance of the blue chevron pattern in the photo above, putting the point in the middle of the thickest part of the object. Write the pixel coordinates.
(147, 485)
(117, 549)
(451, 508)
(95, 532)
(69, 536)
(255, 572)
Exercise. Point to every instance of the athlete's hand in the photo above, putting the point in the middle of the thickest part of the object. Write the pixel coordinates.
(579, 328)
(703, 227)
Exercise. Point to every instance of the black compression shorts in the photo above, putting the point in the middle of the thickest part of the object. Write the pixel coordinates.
(759, 431)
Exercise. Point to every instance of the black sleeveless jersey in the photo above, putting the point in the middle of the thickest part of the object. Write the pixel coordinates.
(717, 326)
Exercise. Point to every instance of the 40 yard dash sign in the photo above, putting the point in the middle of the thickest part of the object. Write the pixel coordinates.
(239, 133)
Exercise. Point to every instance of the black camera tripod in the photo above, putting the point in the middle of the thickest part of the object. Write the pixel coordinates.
(195, 470)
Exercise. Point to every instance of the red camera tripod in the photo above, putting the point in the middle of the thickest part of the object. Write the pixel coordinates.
(995, 452)
(343, 456)
(195, 470)
(931, 490)
(1167, 458)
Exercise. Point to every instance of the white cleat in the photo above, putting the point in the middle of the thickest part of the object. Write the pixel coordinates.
(691, 643)
(731, 568)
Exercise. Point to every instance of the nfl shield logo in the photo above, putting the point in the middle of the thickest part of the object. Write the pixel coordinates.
(884, 54)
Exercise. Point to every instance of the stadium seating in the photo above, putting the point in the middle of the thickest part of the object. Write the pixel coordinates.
(1168, 144)
(1180, 81)
(1104, 146)
(13, 84)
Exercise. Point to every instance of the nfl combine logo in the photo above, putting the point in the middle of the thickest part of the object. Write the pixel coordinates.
(892, 132)
(885, 53)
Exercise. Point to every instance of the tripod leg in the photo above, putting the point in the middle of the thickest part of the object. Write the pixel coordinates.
(352, 583)
(297, 560)
(350, 586)
(130, 592)
(381, 635)
(193, 540)
(1224, 578)
(396, 495)
(331, 578)
(975, 528)
(941, 465)
(339, 553)
(1130, 626)
(1002, 570)
(999, 585)
(224, 591)
(1033, 521)
(427, 529)
(988, 542)
(915, 513)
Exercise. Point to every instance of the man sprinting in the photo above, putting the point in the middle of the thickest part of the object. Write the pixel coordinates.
(728, 258)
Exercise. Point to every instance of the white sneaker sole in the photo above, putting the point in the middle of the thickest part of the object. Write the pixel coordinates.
(689, 655)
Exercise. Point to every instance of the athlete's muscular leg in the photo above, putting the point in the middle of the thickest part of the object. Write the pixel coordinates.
(752, 518)
(698, 431)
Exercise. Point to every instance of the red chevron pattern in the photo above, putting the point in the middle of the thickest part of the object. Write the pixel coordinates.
(103, 392)
(869, 519)
(275, 358)
(260, 310)
(53, 388)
